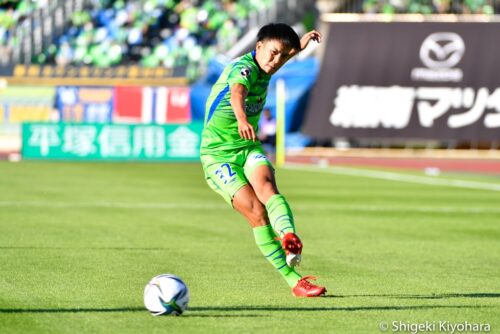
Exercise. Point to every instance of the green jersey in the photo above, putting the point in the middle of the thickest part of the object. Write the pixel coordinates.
(221, 127)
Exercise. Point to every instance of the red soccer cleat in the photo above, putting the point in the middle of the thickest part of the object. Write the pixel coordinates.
(304, 288)
(293, 249)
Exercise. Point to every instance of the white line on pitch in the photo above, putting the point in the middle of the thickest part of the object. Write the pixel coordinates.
(113, 205)
(188, 206)
(385, 208)
(392, 176)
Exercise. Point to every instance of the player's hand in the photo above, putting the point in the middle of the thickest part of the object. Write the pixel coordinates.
(246, 130)
(311, 35)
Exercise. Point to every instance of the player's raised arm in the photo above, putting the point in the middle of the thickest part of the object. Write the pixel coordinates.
(238, 95)
(311, 35)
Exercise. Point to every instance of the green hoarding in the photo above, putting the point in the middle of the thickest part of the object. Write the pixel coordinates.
(82, 141)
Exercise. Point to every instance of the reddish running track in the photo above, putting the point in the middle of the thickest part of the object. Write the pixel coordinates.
(449, 165)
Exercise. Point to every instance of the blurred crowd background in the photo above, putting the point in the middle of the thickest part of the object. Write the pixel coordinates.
(151, 33)
(173, 33)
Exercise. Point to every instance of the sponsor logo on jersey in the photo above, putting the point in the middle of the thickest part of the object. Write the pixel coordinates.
(245, 71)
(254, 108)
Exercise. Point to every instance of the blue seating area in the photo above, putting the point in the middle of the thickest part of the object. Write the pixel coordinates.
(152, 33)
(167, 33)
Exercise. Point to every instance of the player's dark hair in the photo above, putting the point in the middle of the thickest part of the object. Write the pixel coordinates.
(281, 32)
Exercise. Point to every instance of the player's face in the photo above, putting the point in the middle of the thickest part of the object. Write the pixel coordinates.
(271, 55)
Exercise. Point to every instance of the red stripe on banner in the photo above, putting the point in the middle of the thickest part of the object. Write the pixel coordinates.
(179, 105)
(128, 104)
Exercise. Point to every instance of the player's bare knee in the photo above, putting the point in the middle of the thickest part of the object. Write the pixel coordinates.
(259, 211)
(258, 214)
(253, 210)
(265, 191)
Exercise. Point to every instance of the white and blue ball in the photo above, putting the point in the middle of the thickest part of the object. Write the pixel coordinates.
(166, 294)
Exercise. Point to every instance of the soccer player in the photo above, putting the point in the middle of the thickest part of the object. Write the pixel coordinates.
(234, 161)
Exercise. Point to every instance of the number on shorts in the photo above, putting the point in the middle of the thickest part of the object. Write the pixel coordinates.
(229, 170)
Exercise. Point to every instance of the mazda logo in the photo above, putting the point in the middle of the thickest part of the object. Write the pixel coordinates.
(442, 50)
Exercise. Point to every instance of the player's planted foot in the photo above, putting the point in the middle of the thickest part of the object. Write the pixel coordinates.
(293, 248)
(304, 288)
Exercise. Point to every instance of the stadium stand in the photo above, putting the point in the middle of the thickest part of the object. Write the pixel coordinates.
(151, 33)
(164, 33)
(13, 17)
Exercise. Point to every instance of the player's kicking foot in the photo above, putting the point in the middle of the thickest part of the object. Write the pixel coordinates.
(304, 288)
(293, 249)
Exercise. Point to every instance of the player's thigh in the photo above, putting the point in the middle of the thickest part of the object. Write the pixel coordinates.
(225, 179)
(256, 157)
(260, 172)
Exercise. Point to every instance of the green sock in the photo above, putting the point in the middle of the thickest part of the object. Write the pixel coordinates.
(280, 215)
(271, 248)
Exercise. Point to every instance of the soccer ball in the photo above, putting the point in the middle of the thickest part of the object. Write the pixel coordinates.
(166, 294)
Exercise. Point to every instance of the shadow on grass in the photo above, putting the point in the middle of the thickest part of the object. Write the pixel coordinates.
(123, 309)
(243, 308)
(71, 310)
(430, 296)
(332, 308)
(84, 248)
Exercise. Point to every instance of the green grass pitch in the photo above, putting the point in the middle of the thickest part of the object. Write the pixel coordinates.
(79, 241)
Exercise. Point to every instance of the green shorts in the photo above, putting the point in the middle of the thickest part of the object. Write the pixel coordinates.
(227, 171)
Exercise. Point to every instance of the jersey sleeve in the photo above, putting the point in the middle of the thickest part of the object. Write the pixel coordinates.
(242, 73)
